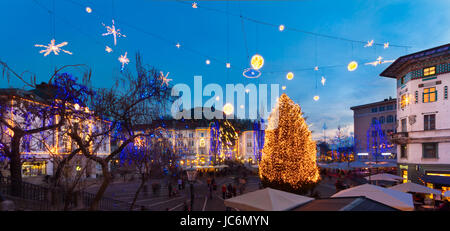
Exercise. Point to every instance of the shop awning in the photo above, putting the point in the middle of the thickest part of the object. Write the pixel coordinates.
(443, 180)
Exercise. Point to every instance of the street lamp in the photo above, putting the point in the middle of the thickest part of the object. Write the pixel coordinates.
(191, 174)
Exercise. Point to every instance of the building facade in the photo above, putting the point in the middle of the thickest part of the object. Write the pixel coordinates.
(40, 152)
(423, 116)
(373, 124)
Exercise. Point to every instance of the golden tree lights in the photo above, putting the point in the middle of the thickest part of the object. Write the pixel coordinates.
(289, 153)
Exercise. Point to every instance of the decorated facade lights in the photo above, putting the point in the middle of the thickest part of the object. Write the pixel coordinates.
(353, 65)
(290, 76)
(124, 60)
(379, 61)
(108, 49)
(164, 79)
(111, 30)
(369, 43)
(52, 47)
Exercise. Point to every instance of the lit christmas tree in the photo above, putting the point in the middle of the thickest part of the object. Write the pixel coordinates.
(289, 155)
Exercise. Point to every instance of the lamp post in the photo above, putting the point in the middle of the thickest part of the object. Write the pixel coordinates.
(191, 174)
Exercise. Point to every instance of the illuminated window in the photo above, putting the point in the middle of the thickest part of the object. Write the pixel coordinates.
(35, 168)
(404, 101)
(429, 122)
(405, 175)
(429, 71)
(429, 95)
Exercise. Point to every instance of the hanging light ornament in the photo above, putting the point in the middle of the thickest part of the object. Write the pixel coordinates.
(323, 81)
(51, 47)
(208, 62)
(281, 27)
(283, 87)
(112, 30)
(369, 43)
(290, 76)
(108, 49)
(88, 10)
(378, 61)
(178, 45)
(194, 5)
(257, 62)
(316, 97)
(164, 79)
(352, 66)
(386, 45)
(124, 60)
(228, 65)
(228, 109)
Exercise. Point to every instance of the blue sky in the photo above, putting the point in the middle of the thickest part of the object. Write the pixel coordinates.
(154, 27)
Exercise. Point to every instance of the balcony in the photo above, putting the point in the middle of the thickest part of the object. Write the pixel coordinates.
(399, 137)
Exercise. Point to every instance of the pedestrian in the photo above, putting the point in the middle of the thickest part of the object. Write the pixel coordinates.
(213, 183)
(208, 181)
(180, 184)
(229, 190)
(224, 191)
(170, 189)
(234, 190)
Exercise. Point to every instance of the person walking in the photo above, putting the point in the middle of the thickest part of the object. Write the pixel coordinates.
(224, 191)
(169, 187)
(234, 190)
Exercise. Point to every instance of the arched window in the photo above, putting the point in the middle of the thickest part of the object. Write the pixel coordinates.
(374, 120)
(382, 120)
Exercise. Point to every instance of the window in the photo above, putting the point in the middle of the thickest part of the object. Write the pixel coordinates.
(430, 150)
(402, 80)
(374, 120)
(403, 151)
(445, 92)
(374, 109)
(404, 101)
(405, 175)
(382, 120)
(382, 108)
(403, 125)
(201, 134)
(390, 119)
(429, 122)
(390, 107)
(429, 71)
(416, 97)
(429, 95)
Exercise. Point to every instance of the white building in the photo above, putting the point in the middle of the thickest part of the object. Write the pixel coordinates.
(40, 151)
(423, 116)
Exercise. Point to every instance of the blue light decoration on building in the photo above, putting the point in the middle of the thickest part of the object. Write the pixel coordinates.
(214, 144)
(377, 143)
(258, 139)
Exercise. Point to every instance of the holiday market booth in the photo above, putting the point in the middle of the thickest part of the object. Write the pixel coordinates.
(393, 198)
(267, 199)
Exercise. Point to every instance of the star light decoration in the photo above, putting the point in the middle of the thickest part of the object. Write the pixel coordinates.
(108, 49)
(386, 45)
(164, 79)
(378, 61)
(112, 30)
(194, 5)
(124, 60)
(51, 47)
(369, 43)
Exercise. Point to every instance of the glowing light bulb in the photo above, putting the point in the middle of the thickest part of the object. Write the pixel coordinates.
(76, 106)
(108, 49)
(257, 62)
(290, 76)
(281, 27)
(217, 98)
(316, 97)
(88, 10)
(283, 87)
(352, 66)
(228, 109)
(247, 90)
(228, 65)
(242, 106)
(208, 62)
(178, 45)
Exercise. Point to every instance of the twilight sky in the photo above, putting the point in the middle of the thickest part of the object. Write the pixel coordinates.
(153, 27)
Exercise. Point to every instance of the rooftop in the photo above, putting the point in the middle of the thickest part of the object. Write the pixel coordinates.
(385, 101)
(404, 61)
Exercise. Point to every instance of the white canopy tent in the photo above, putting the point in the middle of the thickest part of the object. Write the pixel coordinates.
(383, 177)
(396, 199)
(416, 188)
(267, 199)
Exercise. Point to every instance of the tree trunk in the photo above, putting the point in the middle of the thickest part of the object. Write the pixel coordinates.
(141, 186)
(103, 187)
(15, 166)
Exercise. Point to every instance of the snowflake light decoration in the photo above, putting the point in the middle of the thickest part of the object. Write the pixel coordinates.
(112, 30)
(108, 49)
(164, 79)
(124, 60)
(369, 43)
(53, 48)
(323, 81)
(386, 45)
(194, 5)
(379, 61)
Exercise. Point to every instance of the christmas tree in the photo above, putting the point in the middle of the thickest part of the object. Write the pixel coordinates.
(289, 155)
